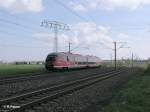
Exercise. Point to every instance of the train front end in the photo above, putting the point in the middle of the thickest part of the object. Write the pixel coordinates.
(50, 61)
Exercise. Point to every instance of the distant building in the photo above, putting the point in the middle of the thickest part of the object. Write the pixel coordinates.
(29, 62)
(3, 62)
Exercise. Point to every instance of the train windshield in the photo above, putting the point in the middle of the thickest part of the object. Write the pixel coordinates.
(51, 58)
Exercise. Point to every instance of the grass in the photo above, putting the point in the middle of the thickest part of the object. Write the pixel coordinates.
(134, 97)
(7, 70)
(10, 69)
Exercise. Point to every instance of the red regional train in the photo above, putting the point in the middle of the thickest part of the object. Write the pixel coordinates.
(65, 60)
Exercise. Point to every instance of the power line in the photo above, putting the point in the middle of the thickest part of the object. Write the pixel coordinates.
(115, 51)
(85, 19)
(106, 47)
(15, 35)
(14, 23)
(19, 25)
(21, 46)
(81, 17)
(16, 17)
(8, 33)
(69, 9)
(91, 18)
(56, 26)
(12, 34)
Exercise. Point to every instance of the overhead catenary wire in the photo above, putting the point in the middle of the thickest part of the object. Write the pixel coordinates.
(15, 35)
(16, 17)
(21, 46)
(14, 23)
(60, 3)
(90, 17)
(8, 33)
(27, 28)
(71, 11)
(11, 36)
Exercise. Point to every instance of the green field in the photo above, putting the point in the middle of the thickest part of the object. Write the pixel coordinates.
(11, 69)
(134, 97)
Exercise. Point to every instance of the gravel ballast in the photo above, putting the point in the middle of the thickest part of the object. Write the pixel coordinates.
(89, 99)
(16, 88)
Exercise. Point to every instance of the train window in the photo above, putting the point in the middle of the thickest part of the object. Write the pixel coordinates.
(51, 57)
(76, 62)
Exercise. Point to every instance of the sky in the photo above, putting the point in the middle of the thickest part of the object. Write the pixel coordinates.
(94, 26)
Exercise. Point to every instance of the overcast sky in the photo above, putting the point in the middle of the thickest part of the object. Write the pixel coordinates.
(94, 24)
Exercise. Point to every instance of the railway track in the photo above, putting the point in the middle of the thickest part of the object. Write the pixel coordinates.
(37, 76)
(29, 100)
(23, 74)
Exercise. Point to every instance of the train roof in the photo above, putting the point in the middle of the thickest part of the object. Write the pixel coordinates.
(58, 53)
(67, 53)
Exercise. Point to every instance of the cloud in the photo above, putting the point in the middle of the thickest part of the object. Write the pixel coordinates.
(77, 7)
(83, 35)
(123, 37)
(89, 38)
(92, 34)
(48, 39)
(19, 6)
(108, 4)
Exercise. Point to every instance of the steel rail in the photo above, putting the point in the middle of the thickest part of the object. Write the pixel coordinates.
(31, 77)
(21, 78)
(56, 91)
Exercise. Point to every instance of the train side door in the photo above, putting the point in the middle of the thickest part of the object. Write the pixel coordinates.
(67, 59)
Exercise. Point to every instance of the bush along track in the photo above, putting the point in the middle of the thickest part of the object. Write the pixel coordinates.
(134, 97)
